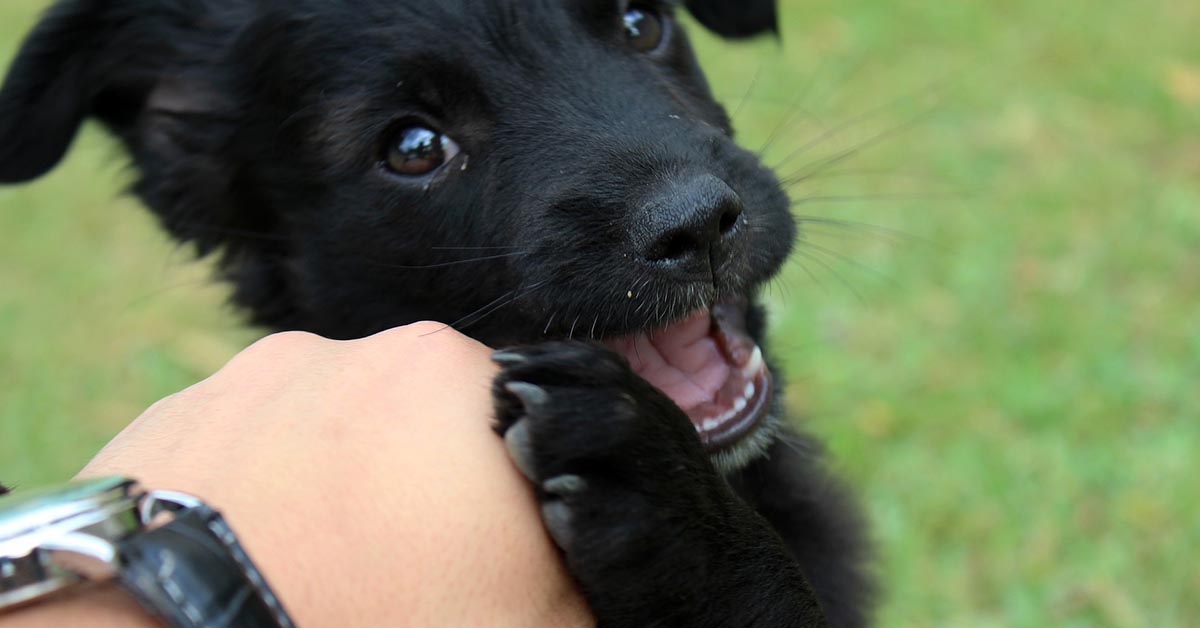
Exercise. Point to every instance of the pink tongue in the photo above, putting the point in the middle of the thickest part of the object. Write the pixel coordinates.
(682, 360)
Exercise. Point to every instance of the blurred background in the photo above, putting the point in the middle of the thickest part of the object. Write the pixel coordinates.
(994, 319)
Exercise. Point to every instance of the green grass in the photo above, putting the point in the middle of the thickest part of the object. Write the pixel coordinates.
(1009, 381)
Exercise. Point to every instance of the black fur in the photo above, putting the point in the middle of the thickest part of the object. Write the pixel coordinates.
(582, 205)
(651, 530)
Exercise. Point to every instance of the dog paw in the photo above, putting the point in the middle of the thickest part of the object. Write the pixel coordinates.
(623, 480)
(650, 530)
(575, 410)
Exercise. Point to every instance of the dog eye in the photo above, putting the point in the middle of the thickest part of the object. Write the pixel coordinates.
(417, 150)
(644, 28)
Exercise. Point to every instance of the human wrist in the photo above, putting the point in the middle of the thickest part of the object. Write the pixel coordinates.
(169, 551)
(103, 605)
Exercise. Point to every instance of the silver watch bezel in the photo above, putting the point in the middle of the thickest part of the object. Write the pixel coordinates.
(55, 538)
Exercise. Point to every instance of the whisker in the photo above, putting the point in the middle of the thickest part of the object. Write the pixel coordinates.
(489, 309)
(889, 174)
(483, 315)
(444, 264)
(471, 248)
(784, 123)
(811, 275)
(462, 319)
(832, 271)
(784, 290)
(856, 227)
(812, 246)
(749, 90)
(801, 94)
(854, 198)
(855, 120)
(808, 171)
(795, 444)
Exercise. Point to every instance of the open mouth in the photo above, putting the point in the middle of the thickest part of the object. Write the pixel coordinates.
(710, 367)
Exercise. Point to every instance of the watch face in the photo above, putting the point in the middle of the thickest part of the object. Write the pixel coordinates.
(24, 512)
(52, 538)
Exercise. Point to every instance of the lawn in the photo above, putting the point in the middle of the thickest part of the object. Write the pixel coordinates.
(994, 318)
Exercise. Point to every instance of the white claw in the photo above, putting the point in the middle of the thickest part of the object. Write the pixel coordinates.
(520, 447)
(529, 394)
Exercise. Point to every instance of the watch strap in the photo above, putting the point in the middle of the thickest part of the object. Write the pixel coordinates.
(193, 573)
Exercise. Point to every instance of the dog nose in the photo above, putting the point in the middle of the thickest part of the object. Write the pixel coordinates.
(687, 226)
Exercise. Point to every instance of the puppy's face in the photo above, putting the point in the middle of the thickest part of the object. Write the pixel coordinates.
(521, 169)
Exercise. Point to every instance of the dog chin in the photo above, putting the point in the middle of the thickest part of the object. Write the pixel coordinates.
(751, 447)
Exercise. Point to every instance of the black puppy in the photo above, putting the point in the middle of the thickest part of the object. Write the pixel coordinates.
(548, 174)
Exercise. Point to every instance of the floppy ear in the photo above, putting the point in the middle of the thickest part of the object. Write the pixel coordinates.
(155, 73)
(736, 18)
(85, 57)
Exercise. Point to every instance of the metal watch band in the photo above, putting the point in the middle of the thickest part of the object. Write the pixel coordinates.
(193, 573)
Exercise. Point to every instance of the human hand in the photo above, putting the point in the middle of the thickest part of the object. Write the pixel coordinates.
(364, 479)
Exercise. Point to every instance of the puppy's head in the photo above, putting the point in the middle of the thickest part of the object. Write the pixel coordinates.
(523, 169)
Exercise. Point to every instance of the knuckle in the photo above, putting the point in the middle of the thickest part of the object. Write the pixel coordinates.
(429, 329)
(430, 334)
(434, 345)
(279, 349)
(284, 341)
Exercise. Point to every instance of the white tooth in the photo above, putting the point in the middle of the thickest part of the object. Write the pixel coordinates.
(711, 424)
(754, 364)
(698, 428)
(749, 392)
(739, 405)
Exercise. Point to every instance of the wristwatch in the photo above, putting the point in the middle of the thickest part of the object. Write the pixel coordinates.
(177, 556)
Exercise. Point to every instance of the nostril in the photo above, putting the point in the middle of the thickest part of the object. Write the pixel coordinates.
(672, 246)
(730, 218)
